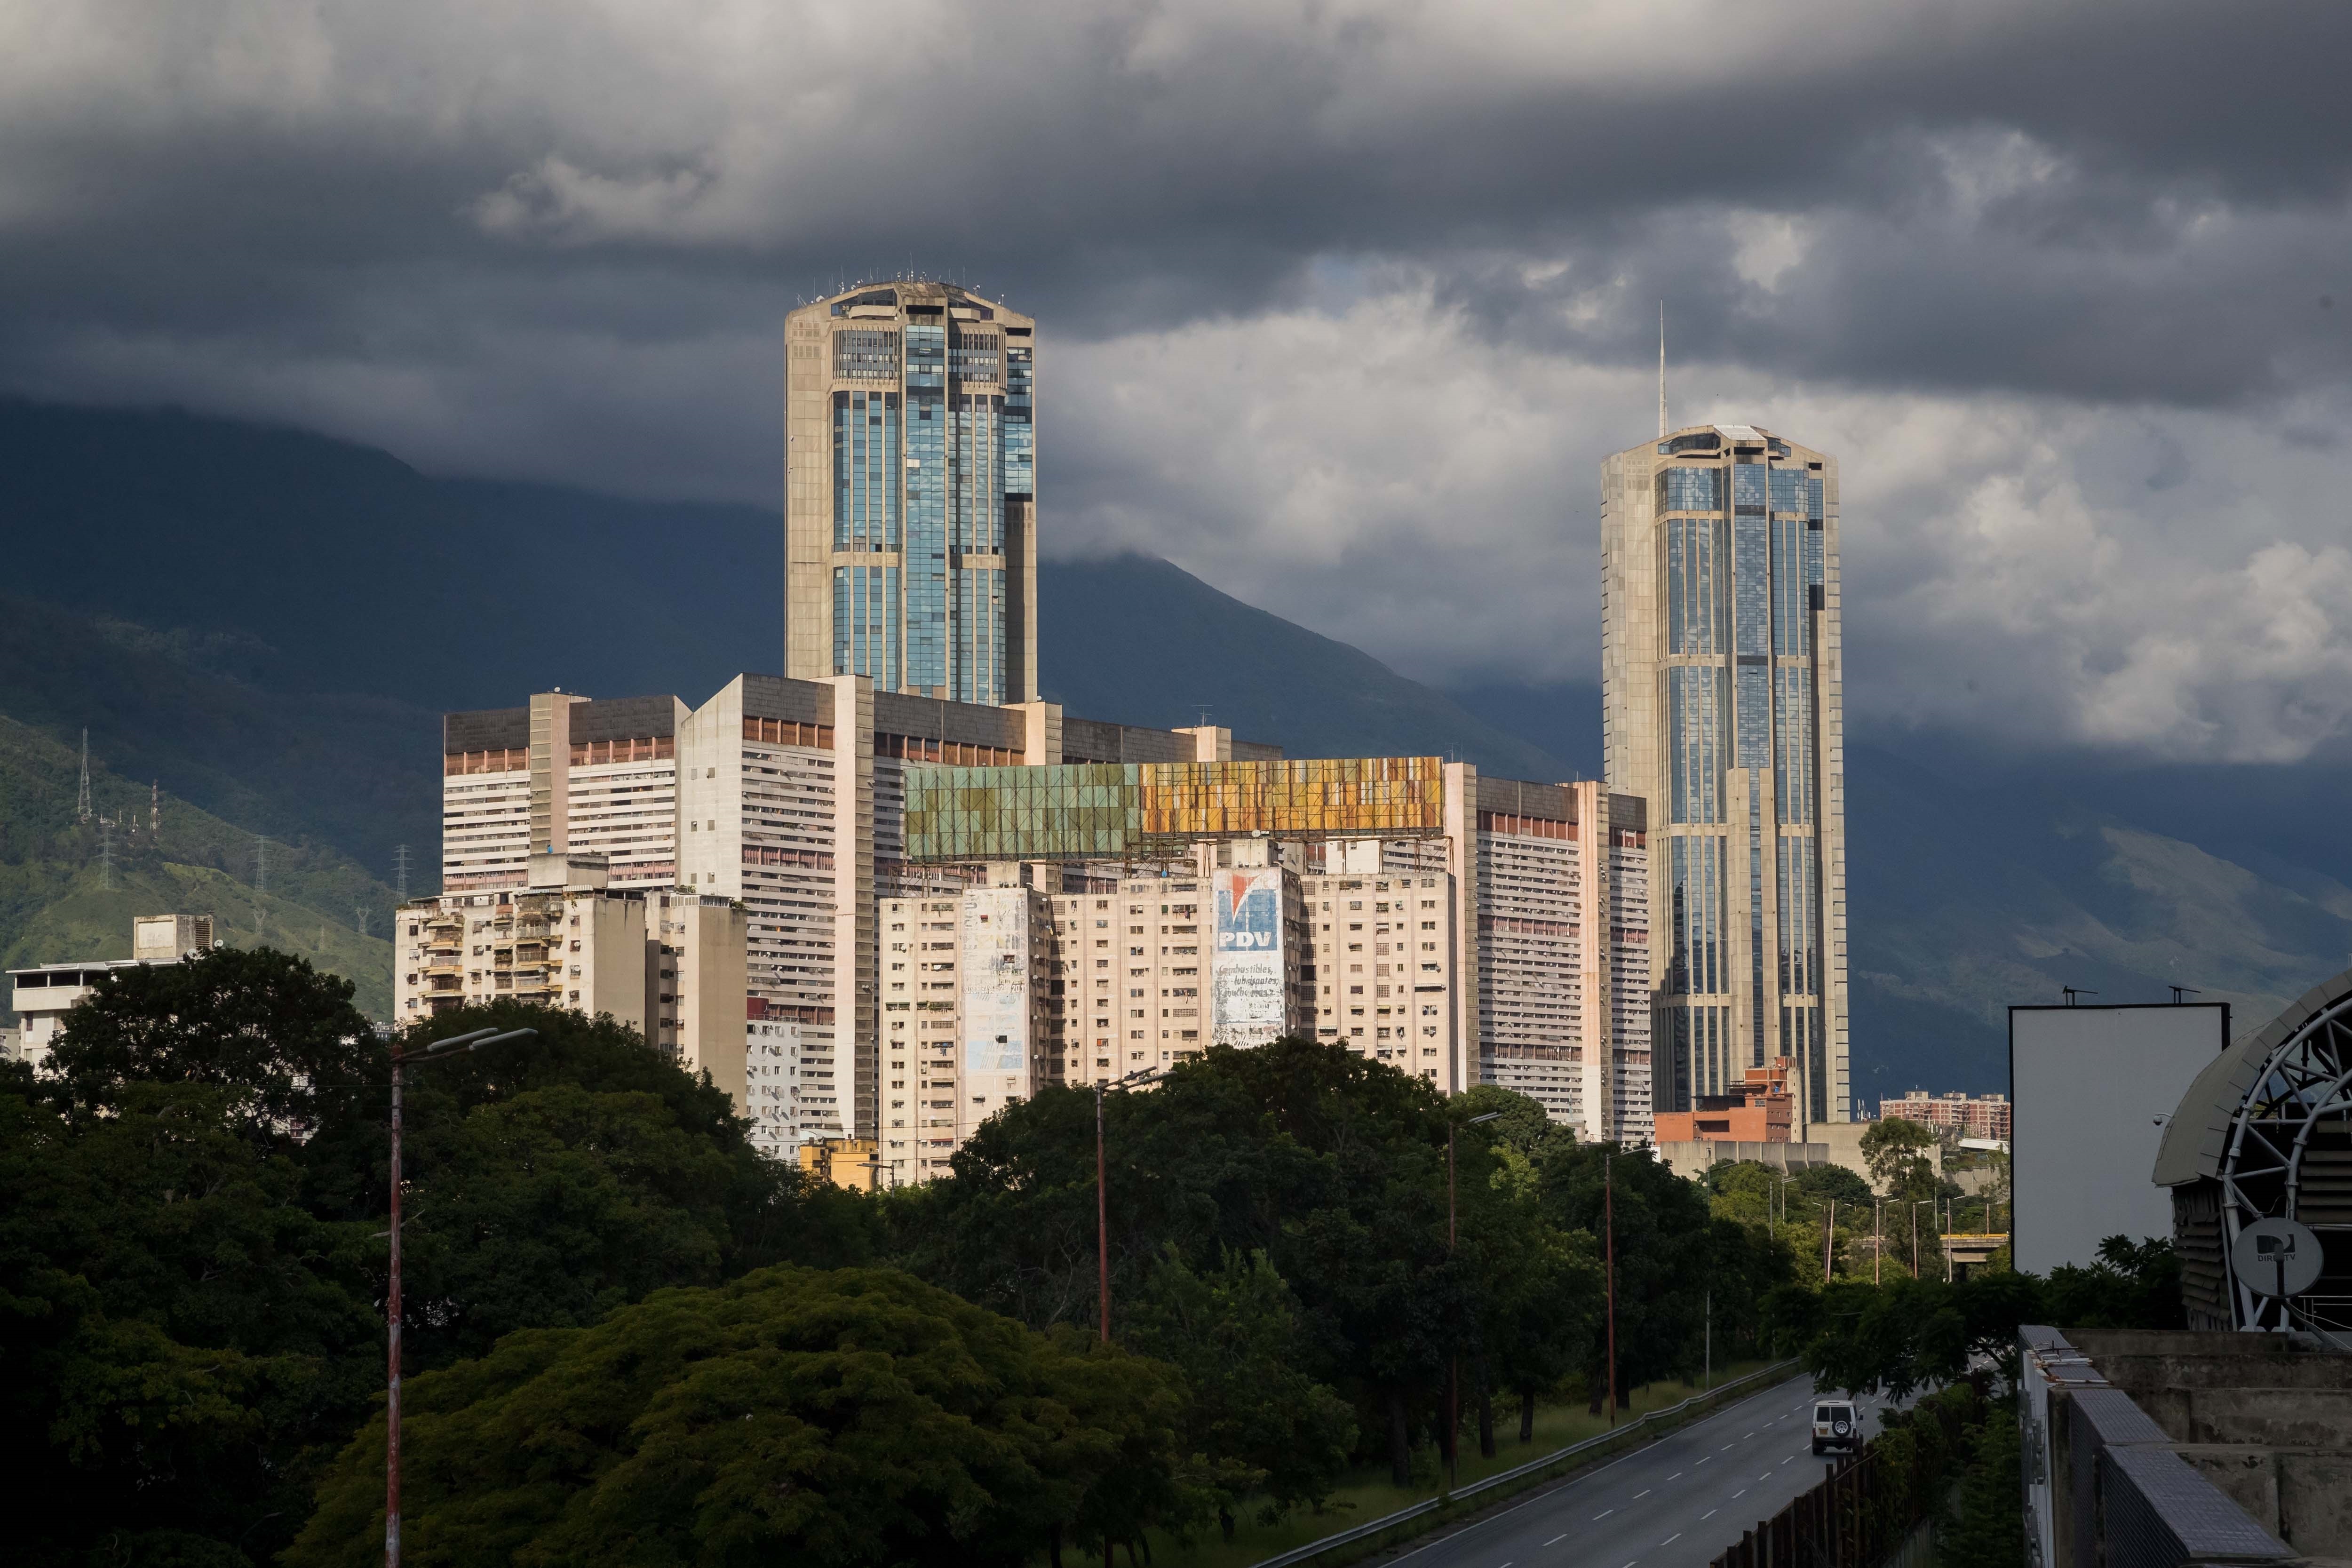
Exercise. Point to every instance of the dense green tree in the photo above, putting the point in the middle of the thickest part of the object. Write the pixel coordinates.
(1662, 1235)
(1988, 1531)
(1255, 1424)
(1332, 1165)
(845, 1417)
(1912, 1333)
(255, 1020)
(192, 1256)
(1896, 1150)
(180, 1335)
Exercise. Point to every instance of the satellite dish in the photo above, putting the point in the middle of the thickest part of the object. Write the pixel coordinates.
(2276, 1258)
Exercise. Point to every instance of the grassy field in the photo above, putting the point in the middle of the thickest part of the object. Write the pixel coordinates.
(1368, 1493)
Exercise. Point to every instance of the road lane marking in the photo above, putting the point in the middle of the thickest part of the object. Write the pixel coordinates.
(1604, 1514)
(1740, 1493)
(1669, 1541)
(1724, 1449)
(1675, 1476)
(1790, 1456)
(1710, 1513)
(1709, 1457)
(1643, 1493)
(1555, 1539)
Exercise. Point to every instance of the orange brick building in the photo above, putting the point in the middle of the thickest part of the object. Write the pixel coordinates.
(1757, 1111)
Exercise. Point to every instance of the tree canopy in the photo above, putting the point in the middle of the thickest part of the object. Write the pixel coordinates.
(192, 1252)
(844, 1419)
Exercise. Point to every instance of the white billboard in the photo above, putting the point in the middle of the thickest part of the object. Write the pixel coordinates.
(1246, 986)
(994, 956)
(2091, 1089)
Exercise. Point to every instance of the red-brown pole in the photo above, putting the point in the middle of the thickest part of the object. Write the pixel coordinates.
(1609, 1229)
(1102, 1217)
(1454, 1365)
(392, 1314)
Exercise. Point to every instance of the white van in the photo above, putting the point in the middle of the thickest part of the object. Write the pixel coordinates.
(1836, 1425)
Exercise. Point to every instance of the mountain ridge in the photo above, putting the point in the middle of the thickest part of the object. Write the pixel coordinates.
(276, 620)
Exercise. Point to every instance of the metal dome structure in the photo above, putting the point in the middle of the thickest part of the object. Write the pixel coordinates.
(2265, 1131)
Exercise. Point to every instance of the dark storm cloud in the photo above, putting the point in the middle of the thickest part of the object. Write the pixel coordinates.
(1327, 287)
(1120, 167)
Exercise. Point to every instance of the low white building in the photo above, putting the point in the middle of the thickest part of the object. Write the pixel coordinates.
(43, 995)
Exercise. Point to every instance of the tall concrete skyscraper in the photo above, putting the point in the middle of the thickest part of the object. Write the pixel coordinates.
(1722, 704)
(910, 487)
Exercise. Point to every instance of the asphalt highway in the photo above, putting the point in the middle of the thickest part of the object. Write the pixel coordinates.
(1676, 1503)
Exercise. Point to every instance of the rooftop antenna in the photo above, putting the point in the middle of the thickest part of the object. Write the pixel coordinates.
(2073, 991)
(1662, 369)
(81, 802)
(2179, 992)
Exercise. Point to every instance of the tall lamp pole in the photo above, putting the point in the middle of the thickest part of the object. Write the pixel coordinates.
(1609, 1266)
(1454, 1370)
(1102, 1194)
(439, 1050)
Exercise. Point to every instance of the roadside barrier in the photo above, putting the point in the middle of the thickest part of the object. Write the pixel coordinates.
(1446, 1505)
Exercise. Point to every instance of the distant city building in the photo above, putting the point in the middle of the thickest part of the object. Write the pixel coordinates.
(41, 996)
(1722, 706)
(1757, 1110)
(669, 965)
(1961, 1115)
(910, 487)
(1459, 928)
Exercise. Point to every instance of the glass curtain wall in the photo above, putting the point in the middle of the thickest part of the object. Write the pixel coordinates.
(1741, 539)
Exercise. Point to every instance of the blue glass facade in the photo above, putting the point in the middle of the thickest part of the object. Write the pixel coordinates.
(1740, 535)
(930, 465)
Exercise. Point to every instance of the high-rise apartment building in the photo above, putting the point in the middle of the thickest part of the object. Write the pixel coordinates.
(1722, 704)
(1181, 890)
(910, 483)
(1564, 933)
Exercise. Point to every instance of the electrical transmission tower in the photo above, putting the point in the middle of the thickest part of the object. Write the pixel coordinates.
(81, 802)
(359, 912)
(400, 870)
(155, 808)
(260, 880)
(105, 855)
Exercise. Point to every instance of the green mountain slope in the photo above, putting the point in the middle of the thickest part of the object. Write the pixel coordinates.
(276, 621)
(68, 889)
(1135, 639)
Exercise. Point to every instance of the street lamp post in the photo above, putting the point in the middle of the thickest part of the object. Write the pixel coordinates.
(439, 1050)
(1454, 1371)
(1608, 1272)
(1102, 1193)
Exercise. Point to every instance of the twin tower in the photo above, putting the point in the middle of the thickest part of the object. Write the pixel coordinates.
(911, 532)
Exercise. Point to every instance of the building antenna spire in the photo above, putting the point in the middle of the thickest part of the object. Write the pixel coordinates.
(1662, 369)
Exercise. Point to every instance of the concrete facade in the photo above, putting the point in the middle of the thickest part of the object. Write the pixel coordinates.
(911, 493)
(41, 994)
(1723, 706)
(667, 963)
(790, 799)
(2157, 1446)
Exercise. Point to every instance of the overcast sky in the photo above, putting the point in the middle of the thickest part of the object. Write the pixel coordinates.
(1340, 303)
